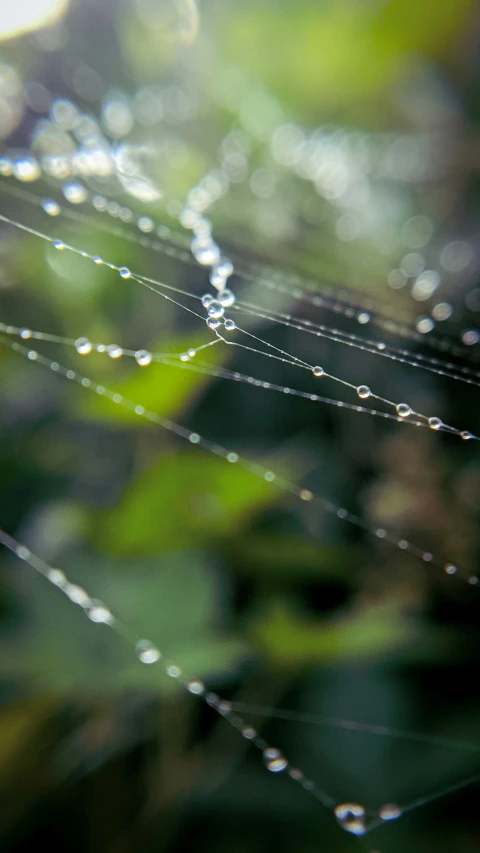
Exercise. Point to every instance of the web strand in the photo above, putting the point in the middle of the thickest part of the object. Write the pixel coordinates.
(403, 409)
(350, 816)
(304, 495)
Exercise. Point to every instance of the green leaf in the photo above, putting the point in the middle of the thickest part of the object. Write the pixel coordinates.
(183, 500)
(160, 388)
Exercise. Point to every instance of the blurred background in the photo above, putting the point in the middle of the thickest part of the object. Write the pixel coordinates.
(334, 146)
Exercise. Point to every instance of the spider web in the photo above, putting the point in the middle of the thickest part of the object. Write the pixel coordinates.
(261, 300)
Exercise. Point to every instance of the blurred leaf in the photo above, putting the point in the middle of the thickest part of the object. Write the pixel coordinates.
(173, 603)
(330, 54)
(160, 388)
(289, 638)
(182, 500)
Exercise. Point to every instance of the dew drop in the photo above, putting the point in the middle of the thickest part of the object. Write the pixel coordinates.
(351, 817)
(77, 595)
(215, 309)
(99, 612)
(83, 346)
(217, 278)
(74, 192)
(57, 577)
(196, 687)
(207, 254)
(471, 337)
(318, 371)
(403, 410)
(248, 732)
(226, 298)
(363, 391)
(230, 325)
(143, 357)
(466, 435)
(225, 268)
(191, 353)
(26, 169)
(174, 671)
(58, 244)
(147, 652)
(274, 760)
(25, 334)
(390, 811)
(213, 322)
(207, 298)
(450, 568)
(435, 423)
(363, 318)
(125, 272)
(51, 207)
(114, 351)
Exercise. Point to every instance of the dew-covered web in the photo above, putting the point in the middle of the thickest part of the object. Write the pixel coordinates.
(89, 172)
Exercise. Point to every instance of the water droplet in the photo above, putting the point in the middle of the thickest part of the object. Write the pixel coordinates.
(207, 254)
(147, 652)
(248, 732)
(191, 353)
(26, 169)
(470, 337)
(75, 192)
(442, 311)
(318, 371)
(232, 457)
(97, 260)
(174, 671)
(403, 410)
(57, 577)
(77, 595)
(225, 267)
(25, 334)
(5, 166)
(450, 568)
(184, 356)
(207, 298)
(226, 298)
(51, 207)
(99, 612)
(196, 687)
(146, 224)
(306, 495)
(230, 325)
(390, 811)
(188, 217)
(114, 351)
(83, 346)
(58, 244)
(466, 435)
(143, 357)
(424, 325)
(215, 309)
(213, 323)
(435, 423)
(363, 391)
(125, 272)
(217, 278)
(274, 760)
(351, 817)
(363, 318)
